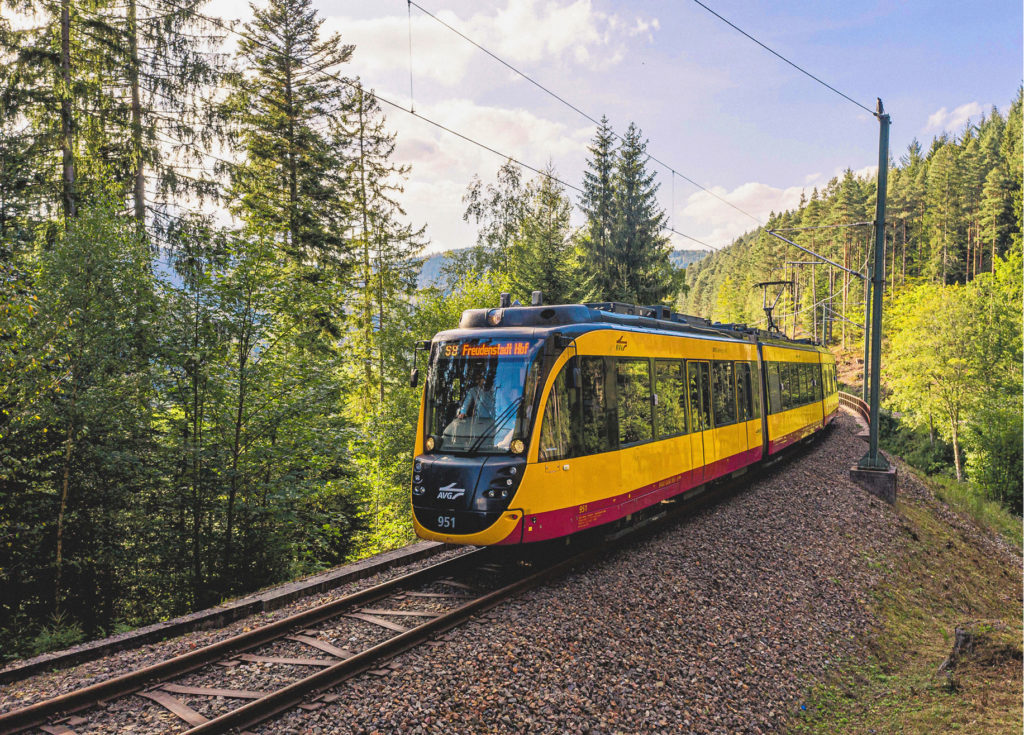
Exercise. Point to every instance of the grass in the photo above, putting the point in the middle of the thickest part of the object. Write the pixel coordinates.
(938, 579)
(988, 514)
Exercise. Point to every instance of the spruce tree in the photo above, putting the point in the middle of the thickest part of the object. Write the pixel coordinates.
(943, 213)
(544, 256)
(291, 182)
(598, 204)
(638, 253)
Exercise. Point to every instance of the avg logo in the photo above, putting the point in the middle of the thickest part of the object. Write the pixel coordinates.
(620, 344)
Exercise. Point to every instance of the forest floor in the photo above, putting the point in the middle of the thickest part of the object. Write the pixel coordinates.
(947, 573)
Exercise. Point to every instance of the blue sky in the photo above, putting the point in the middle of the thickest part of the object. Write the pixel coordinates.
(719, 109)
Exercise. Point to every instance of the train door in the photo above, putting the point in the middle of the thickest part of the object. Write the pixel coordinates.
(557, 479)
(698, 378)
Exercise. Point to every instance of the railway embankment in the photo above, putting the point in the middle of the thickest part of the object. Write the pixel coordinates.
(799, 603)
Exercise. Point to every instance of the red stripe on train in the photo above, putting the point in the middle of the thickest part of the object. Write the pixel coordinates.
(566, 521)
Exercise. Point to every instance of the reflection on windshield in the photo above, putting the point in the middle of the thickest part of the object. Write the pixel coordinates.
(480, 394)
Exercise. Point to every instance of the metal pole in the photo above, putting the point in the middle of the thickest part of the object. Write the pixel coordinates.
(867, 331)
(873, 460)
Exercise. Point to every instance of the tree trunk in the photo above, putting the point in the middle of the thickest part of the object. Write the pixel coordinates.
(65, 491)
(955, 427)
(67, 144)
(133, 80)
(236, 451)
(367, 304)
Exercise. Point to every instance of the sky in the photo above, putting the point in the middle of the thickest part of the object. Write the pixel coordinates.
(714, 106)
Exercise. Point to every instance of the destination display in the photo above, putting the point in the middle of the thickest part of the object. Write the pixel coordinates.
(497, 349)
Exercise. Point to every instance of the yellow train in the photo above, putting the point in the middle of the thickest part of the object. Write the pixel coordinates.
(542, 421)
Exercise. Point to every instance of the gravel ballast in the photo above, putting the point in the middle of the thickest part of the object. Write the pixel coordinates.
(718, 624)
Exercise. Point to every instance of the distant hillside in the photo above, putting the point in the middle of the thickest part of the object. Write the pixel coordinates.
(430, 274)
(686, 258)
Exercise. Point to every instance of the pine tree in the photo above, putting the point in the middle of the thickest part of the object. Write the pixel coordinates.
(598, 204)
(386, 246)
(544, 256)
(943, 213)
(292, 180)
(996, 213)
(638, 252)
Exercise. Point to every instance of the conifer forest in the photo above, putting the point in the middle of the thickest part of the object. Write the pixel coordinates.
(209, 298)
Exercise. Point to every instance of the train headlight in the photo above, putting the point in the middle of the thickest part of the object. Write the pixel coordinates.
(430, 444)
(494, 317)
(418, 490)
(517, 446)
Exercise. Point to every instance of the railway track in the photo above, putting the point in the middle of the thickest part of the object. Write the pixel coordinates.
(403, 613)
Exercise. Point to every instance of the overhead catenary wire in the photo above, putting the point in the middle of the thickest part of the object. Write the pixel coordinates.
(409, 111)
(576, 109)
(796, 66)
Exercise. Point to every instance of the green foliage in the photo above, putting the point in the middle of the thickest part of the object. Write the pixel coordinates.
(293, 180)
(543, 255)
(625, 254)
(60, 632)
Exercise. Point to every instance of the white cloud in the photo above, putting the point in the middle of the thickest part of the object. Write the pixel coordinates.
(525, 31)
(443, 165)
(719, 224)
(943, 119)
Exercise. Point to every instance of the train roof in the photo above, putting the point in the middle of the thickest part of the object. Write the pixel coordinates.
(583, 317)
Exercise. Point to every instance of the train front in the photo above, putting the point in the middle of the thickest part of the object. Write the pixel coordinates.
(474, 430)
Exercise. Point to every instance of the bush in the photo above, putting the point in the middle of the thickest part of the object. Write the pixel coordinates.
(933, 457)
(62, 632)
(995, 455)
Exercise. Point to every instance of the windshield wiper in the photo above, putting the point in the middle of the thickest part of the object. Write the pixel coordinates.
(498, 422)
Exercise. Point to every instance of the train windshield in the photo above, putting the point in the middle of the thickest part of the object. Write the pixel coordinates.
(480, 394)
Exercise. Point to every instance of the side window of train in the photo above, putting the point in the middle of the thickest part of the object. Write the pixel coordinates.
(774, 388)
(800, 384)
(744, 392)
(556, 431)
(816, 369)
(755, 390)
(594, 435)
(723, 393)
(699, 390)
(670, 397)
(634, 387)
(786, 385)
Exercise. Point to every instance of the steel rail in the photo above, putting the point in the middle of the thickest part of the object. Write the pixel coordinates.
(294, 694)
(42, 712)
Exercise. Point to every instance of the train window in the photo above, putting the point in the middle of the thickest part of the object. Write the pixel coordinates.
(744, 394)
(669, 398)
(723, 393)
(799, 370)
(556, 431)
(634, 389)
(774, 388)
(594, 434)
(700, 395)
(786, 385)
(755, 390)
(816, 371)
(806, 389)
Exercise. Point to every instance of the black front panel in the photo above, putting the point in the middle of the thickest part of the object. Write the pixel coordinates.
(454, 521)
(462, 495)
(449, 481)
